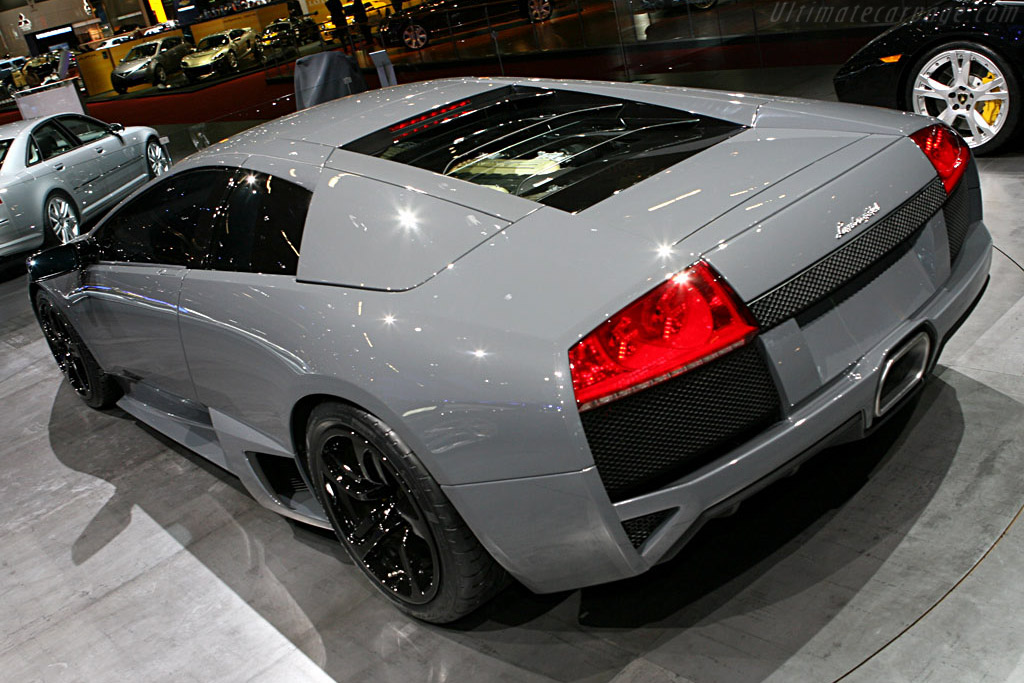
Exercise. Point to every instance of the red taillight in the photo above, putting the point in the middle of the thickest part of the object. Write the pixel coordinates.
(680, 324)
(946, 150)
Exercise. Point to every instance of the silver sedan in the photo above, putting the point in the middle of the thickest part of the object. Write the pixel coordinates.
(57, 171)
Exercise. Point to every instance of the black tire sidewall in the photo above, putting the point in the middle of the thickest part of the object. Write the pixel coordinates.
(1009, 130)
(433, 505)
(103, 390)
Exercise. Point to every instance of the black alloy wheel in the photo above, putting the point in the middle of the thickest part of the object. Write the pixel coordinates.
(77, 364)
(377, 496)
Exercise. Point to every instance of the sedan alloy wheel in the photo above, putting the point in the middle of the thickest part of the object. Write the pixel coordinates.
(157, 161)
(61, 218)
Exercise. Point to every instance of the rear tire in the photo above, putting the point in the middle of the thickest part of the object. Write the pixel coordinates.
(80, 369)
(60, 216)
(157, 160)
(393, 519)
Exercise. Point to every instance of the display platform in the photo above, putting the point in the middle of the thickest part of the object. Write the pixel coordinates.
(126, 557)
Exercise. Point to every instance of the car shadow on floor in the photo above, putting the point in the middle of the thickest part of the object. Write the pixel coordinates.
(760, 584)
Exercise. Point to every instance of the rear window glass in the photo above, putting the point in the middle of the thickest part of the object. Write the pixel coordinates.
(565, 149)
(4, 146)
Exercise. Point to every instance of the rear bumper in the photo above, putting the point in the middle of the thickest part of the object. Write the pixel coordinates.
(561, 531)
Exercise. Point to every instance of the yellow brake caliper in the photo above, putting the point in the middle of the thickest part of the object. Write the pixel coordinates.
(990, 110)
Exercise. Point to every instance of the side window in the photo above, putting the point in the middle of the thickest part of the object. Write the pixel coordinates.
(261, 231)
(84, 129)
(169, 223)
(236, 34)
(51, 141)
(33, 153)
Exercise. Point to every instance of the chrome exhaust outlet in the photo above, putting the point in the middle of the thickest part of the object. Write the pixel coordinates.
(904, 369)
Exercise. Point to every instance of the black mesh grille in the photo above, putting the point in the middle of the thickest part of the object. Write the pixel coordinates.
(650, 438)
(957, 220)
(639, 529)
(842, 265)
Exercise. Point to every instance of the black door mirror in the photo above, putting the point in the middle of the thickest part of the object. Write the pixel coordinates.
(62, 259)
(116, 128)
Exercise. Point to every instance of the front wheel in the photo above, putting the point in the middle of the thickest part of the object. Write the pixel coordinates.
(971, 89)
(159, 76)
(80, 369)
(393, 519)
(61, 219)
(157, 160)
(415, 37)
(232, 62)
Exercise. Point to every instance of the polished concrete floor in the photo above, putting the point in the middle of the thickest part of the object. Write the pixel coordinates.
(123, 557)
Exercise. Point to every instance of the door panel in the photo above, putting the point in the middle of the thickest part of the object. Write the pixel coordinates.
(128, 302)
(129, 312)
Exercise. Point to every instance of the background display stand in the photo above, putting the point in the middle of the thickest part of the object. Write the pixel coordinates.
(385, 70)
(53, 98)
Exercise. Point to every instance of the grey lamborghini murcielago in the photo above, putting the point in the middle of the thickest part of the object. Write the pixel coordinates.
(491, 327)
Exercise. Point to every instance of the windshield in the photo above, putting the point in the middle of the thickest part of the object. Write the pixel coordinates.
(210, 42)
(4, 146)
(273, 28)
(141, 52)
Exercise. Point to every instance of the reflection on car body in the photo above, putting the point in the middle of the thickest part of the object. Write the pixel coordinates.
(415, 28)
(221, 53)
(482, 327)
(150, 62)
(60, 170)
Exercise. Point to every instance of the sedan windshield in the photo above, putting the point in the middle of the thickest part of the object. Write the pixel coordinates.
(141, 52)
(211, 42)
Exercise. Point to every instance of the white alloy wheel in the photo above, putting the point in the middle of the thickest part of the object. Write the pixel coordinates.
(61, 218)
(968, 91)
(157, 161)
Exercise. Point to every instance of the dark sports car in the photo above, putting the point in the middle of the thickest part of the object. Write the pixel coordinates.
(959, 61)
(546, 328)
(417, 27)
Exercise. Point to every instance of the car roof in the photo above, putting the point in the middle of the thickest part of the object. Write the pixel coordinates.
(13, 129)
(341, 121)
